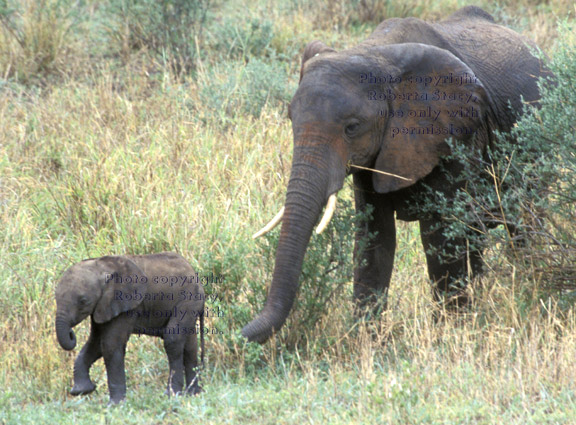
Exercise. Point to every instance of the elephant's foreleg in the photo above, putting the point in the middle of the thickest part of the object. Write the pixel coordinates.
(450, 262)
(114, 360)
(88, 355)
(374, 256)
(174, 346)
(191, 364)
(113, 342)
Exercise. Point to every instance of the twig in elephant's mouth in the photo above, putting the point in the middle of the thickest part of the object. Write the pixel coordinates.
(381, 172)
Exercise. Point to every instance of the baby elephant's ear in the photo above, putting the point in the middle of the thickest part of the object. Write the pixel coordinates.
(123, 287)
(314, 48)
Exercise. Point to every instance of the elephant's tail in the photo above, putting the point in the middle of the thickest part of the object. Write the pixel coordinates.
(202, 339)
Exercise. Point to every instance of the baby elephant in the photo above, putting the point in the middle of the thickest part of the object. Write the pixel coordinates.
(157, 294)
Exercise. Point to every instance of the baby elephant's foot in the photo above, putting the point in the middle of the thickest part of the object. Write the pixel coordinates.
(194, 389)
(115, 400)
(170, 392)
(82, 388)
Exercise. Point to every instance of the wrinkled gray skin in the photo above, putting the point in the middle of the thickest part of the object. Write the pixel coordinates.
(99, 288)
(336, 122)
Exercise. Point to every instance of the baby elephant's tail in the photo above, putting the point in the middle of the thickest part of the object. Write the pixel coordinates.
(202, 339)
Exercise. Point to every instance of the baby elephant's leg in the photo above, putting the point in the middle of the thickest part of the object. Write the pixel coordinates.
(191, 365)
(88, 355)
(174, 346)
(113, 342)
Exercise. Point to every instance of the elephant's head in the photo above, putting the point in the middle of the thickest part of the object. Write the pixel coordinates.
(388, 108)
(89, 288)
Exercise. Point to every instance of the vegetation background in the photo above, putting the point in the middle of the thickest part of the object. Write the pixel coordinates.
(137, 126)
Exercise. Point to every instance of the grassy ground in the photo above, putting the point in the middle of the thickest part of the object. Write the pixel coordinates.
(103, 149)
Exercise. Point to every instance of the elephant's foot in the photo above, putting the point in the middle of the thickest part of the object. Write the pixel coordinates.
(459, 303)
(193, 387)
(115, 400)
(116, 395)
(82, 388)
(171, 391)
(456, 301)
(455, 306)
(194, 390)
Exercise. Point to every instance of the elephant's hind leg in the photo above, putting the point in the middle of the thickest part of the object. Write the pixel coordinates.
(450, 263)
(174, 346)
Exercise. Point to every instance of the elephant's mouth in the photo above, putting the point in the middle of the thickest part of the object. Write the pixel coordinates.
(328, 214)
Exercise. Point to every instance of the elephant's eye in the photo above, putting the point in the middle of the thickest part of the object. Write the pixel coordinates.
(352, 129)
(83, 300)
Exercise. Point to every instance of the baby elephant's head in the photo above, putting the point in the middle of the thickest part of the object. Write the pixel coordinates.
(87, 288)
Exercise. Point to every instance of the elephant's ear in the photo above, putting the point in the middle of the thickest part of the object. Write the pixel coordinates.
(123, 288)
(435, 96)
(312, 49)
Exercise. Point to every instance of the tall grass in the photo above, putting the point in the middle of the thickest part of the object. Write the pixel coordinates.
(35, 38)
(129, 156)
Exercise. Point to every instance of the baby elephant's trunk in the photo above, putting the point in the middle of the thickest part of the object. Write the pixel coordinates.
(65, 334)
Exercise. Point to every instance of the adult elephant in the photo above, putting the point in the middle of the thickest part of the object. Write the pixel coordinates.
(389, 104)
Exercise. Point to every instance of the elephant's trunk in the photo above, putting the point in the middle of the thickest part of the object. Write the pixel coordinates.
(65, 334)
(310, 185)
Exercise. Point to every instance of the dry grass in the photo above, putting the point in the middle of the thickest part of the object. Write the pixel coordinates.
(34, 40)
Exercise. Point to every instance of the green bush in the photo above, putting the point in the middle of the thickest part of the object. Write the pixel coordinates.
(245, 39)
(238, 88)
(530, 185)
(324, 295)
(327, 272)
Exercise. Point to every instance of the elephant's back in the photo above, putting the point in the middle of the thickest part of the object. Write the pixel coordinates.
(163, 264)
(501, 59)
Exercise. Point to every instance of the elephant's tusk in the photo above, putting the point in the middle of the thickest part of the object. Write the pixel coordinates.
(272, 224)
(328, 213)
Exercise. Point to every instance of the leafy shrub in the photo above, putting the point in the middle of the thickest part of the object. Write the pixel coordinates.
(324, 292)
(327, 272)
(170, 29)
(530, 187)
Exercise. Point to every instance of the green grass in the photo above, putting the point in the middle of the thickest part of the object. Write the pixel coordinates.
(104, 152)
